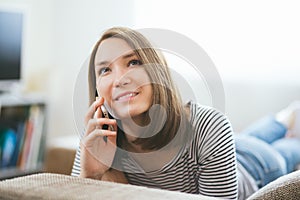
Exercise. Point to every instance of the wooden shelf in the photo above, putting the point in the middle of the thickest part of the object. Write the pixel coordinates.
(16, 172)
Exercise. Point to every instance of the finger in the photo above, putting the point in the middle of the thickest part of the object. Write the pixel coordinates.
(112, 140)
(114, 126)
(92, 109)
(98, 123)
(92, 125)
(102, 133)
(95, 134)
(98, 113)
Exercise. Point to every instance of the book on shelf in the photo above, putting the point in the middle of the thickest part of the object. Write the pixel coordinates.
(8, 140)
(19, 144)
(26, 145)
(21, 137)
(37, 118)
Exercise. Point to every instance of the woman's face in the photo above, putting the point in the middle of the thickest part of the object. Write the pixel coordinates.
(121, 79)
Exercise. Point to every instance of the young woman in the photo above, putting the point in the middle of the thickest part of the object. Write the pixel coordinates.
(152, 138)
(161, 142)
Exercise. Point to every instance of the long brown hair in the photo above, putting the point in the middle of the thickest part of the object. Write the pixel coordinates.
(164, 91)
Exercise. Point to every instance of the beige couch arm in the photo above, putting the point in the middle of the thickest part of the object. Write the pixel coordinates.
(57, 186)
(285, 187)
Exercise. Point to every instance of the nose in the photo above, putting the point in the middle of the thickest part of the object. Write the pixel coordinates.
(121, 78)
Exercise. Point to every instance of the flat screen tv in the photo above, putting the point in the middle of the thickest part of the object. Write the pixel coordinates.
(11, 35)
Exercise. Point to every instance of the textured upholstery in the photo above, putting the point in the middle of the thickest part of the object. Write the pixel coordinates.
(58, 186)
(283, 188)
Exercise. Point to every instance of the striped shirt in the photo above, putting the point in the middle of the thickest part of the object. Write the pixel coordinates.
(206, 166)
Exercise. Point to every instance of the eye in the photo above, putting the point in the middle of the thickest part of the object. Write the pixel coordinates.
(134, 62)
(104, 70)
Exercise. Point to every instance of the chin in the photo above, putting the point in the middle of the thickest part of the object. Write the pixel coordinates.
(130, 111)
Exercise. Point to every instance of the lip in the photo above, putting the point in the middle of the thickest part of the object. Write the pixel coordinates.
(126, 96)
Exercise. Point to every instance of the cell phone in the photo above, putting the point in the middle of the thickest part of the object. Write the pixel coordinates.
(105, 114)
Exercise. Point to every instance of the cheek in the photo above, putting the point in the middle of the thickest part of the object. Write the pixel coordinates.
(141, 77)
(103, 88)
(148, 96)
(149, 90)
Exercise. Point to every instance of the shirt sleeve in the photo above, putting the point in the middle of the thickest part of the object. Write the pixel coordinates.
(215, 154)
(76, 165)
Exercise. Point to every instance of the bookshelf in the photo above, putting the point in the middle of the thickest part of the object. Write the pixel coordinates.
(22, 135)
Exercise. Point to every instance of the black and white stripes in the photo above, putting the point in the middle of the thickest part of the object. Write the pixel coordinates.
(207, 166)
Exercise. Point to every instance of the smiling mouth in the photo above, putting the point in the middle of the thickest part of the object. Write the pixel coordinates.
(127, 96)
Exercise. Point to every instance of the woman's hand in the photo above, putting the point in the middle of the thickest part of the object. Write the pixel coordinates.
(97, 154)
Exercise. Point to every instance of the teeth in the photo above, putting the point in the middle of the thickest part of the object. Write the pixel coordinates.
(127, 95)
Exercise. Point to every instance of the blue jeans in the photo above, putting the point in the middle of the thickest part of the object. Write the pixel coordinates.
(264, 151)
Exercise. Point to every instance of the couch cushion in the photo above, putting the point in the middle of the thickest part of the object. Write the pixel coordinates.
(285, 187)
(57, 186)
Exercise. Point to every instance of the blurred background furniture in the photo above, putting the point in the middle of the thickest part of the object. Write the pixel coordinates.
(22, 135)
(60, 154)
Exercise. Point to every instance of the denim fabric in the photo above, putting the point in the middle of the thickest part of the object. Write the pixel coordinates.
(289, 148)
(260, 159)
(266, 129)
(265, 153)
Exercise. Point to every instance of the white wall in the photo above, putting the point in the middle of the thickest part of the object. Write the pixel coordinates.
(241, 36)
(254, 44)
(78, 25)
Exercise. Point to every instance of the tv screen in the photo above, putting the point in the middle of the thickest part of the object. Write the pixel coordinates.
(11, 27)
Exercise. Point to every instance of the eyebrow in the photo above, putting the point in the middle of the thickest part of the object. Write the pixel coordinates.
(126, 56)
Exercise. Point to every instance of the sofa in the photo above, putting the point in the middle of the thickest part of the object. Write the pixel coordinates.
(286, 187)
(59, 186)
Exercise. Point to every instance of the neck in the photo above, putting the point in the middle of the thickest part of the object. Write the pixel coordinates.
(131, 133)
(134, 127)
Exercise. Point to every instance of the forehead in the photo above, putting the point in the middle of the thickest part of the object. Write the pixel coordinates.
(111, 49)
